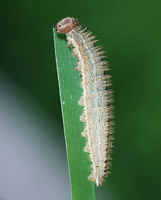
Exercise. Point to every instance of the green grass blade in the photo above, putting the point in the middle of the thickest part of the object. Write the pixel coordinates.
(70, 93)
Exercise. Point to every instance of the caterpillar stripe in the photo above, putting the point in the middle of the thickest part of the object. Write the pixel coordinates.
(96, 98)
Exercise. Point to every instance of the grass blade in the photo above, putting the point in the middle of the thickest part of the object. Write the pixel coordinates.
(70, 93)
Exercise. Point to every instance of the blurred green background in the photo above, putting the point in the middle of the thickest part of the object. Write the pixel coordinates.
(130, 32)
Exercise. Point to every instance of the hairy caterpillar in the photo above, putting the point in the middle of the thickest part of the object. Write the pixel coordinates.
(96, 98)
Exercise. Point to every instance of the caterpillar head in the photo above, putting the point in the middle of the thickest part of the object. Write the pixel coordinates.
(66, 25)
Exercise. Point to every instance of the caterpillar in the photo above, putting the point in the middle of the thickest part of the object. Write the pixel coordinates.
(96, 98)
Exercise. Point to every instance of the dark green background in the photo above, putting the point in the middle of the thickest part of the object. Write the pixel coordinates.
(130, 32)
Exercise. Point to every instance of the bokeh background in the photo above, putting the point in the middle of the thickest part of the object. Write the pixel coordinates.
(33, 161)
